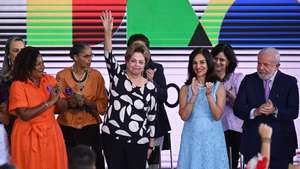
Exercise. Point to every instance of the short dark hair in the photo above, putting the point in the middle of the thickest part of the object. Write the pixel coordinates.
(82, 157)
(77, 48)
(210, 74)
(137, 47)
(229, 54)
(138, 37)
(25, 63)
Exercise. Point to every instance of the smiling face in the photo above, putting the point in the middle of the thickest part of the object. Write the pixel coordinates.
(38, 69)
(84, 58)
(220, 62)
(14, 48)
(136, 64)
(200, 65)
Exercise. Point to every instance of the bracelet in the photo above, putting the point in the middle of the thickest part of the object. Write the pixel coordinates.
(46, 105)
(192, 103)
(150, 148)
(207, 95)
(266, 140)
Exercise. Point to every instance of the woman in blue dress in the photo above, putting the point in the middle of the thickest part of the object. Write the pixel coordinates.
(201, 104)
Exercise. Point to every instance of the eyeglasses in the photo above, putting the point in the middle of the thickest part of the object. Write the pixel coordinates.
(140, 62)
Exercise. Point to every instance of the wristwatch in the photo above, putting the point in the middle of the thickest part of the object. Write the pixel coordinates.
(275, 113)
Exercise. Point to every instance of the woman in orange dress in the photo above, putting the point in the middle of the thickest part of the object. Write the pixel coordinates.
(37, 141)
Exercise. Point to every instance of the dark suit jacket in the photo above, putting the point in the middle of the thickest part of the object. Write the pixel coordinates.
(284, 95)
(162, 124)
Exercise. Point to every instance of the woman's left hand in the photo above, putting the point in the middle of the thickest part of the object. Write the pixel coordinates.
(54, 94)
(4, 116)
(150, 74)
(80, 100)
(151, 145)
(209, 86)
(230, 96)
(149, 152)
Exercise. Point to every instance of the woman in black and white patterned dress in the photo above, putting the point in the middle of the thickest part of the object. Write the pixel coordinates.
(128, 129)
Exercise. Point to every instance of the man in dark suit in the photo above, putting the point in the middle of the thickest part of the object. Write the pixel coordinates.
(269, 96)
(155, 73)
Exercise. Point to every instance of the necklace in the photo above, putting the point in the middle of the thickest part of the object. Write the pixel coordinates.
(80, 81)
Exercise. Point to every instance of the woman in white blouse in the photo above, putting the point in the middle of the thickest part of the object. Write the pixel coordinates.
(128, 129)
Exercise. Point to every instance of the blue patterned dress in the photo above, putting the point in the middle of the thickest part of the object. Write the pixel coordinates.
(202, 140)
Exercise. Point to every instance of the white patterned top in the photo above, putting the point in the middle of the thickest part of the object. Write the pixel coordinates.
(131, 111)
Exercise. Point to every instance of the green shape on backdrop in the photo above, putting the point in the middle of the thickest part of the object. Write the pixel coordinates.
(164, 22)
(49, 27)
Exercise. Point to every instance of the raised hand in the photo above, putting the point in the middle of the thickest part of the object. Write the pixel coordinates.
(107, 20)
(265, 131)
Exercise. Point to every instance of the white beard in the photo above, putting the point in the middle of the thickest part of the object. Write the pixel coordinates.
(265, 77)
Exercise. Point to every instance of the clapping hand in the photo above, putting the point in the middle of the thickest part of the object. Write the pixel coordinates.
(72, 101)
(209, 86)
(76, 101)
(80, 100)
(195, 87)
(267, 108)
(54, 93)
(230, 95)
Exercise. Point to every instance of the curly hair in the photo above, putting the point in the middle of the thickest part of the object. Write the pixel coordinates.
(229, 54)
(25, 63)
(210, 74)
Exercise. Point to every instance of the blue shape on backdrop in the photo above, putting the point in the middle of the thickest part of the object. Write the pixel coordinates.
(257, 23)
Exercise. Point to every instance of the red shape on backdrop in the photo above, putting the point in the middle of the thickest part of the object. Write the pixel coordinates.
(87, 26)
